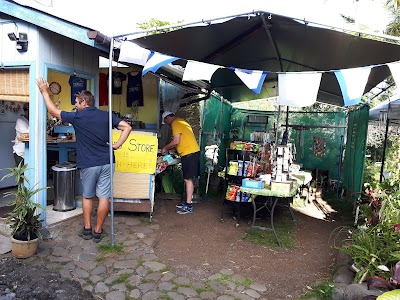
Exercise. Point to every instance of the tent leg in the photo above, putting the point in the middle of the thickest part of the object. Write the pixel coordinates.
(384, 150)
(208, 180)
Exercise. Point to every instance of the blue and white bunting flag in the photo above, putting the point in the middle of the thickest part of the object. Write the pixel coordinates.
(195, 70)
(253, 79)
(133, 53)
(298, 89)
(352, 83)
(156, 61)
(395, 70)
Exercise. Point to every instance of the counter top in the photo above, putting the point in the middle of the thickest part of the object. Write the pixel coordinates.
(50, 140)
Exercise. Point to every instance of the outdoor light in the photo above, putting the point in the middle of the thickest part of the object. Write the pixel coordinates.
(12, 36)
(21, 41)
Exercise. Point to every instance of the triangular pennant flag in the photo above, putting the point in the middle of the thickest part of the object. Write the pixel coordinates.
(195, 70)
(156, 61)
(252, 79)
(395, 70)
(298, 89)
(352, 83)
(133, 53)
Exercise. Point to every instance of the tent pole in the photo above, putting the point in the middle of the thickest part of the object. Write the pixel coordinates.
(340, 166)
(287, 117)
(277, 124)
(110, 59)
(384, 150)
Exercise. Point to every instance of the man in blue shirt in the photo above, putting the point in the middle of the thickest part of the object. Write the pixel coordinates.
(93, 155)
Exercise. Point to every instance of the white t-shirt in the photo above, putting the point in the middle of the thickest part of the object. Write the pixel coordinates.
(21, 126)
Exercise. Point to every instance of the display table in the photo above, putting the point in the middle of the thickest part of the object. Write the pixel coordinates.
(161, 166)
(271, 200)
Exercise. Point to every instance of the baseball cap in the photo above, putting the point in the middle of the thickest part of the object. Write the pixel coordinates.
(165, 114)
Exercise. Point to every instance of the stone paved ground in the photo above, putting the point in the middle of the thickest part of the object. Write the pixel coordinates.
(135, 274)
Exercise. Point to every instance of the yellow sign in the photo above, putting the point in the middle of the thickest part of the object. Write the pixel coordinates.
(137, 155)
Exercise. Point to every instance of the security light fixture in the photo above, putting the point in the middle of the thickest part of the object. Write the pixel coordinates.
(21, 41)
(12, 36)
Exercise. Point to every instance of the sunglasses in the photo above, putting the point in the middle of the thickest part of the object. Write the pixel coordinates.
(26, 109)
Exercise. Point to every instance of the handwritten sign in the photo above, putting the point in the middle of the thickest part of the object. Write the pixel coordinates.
(137, 155)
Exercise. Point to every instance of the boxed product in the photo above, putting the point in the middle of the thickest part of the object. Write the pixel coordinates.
(283, 187)
(253, 184)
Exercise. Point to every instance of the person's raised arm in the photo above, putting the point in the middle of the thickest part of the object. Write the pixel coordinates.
(125, 131)
(43, 86)
(175, 141)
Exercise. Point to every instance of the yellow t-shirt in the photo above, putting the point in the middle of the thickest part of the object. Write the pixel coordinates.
(188, 143)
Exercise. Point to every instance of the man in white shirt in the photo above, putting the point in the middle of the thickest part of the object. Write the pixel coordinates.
(21, 126)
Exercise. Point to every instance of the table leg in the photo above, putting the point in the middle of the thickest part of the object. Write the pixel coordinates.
(272, 228)
(272, 221)
(290, 209)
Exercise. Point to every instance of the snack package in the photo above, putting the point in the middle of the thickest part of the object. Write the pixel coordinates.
(240, 146)
(233, 168)
(238, 195)
(246, 197)
(231, 192)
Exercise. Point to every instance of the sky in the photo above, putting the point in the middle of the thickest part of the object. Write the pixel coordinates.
(114, 17)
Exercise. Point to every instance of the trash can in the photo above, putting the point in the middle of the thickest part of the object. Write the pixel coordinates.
(64, 186)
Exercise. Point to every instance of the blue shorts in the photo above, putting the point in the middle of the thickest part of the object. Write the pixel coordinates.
(96, 181)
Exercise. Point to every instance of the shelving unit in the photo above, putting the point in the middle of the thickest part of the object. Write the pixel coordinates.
(238, 165)
(255, 121)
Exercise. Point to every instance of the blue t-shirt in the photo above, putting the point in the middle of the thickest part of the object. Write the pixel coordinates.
(77, 84)
(92, 135)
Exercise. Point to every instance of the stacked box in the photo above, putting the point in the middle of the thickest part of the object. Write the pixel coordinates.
(253, 184)
(283, 187)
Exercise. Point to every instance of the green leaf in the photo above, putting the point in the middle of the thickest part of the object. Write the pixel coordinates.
(392, 295)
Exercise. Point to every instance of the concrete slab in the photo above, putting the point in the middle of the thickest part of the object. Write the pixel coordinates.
(5, 244)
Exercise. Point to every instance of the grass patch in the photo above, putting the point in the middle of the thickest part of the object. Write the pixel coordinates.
(246, 283)
(117, 248)
(166, 297)
(55, 268)
(204, 289)
(321, 290)
(121, 278)
(109, 250)
(225, 279)
(100, 258)
(144, 280)
(188, 285)
(284, 227)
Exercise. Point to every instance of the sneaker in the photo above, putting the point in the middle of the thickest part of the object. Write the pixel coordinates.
(186, 209)
(180, 205)
(85, 233)
(97, 237)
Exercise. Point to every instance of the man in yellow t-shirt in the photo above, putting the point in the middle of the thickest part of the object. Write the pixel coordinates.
(186, 145)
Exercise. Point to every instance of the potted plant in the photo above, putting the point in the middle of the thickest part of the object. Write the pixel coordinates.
(24, 219)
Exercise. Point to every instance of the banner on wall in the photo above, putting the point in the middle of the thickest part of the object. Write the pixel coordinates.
(137, 155)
